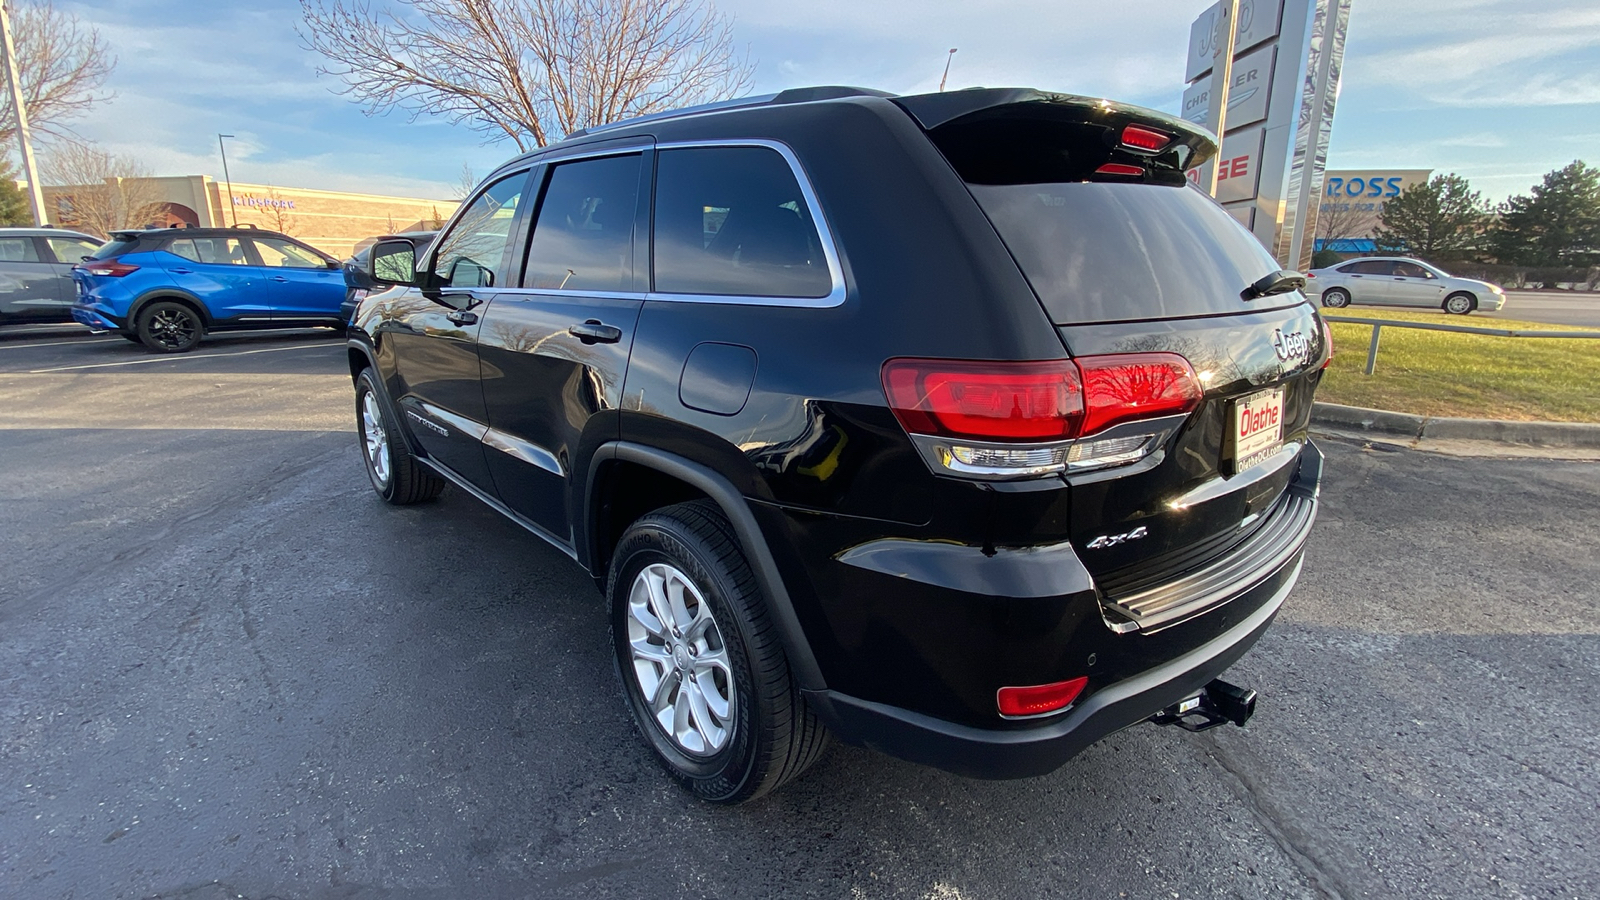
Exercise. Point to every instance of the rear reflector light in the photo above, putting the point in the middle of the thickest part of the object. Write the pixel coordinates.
(998, 420)
(1119, 169)
(1143, 138)
(110, 268)
(1017, 702)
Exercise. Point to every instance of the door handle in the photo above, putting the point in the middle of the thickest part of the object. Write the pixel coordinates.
(1398, 278)
(462, 317)
(595, 331)
(181, 271)
(279, 278)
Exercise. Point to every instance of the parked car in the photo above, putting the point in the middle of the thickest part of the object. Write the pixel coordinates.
(1400, 281)
(167, 287)
(36, 273)
(952, 425)
(357, 285)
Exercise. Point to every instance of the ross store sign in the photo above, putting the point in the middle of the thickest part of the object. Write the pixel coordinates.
(1247, 101)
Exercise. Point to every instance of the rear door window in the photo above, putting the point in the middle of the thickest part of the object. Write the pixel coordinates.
(732, 221)
(18, 249)
(222, 251)
(583, 239)
(70, 250)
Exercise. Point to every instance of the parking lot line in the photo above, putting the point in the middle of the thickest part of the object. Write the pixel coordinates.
(173, 358)
(83, 340)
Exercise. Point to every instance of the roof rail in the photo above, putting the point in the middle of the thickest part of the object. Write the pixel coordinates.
(792, 95)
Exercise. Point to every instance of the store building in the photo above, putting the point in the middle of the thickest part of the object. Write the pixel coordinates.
(332, 221)
(1352, 201)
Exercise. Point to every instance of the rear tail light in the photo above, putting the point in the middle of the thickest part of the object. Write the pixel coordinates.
(1142, 138)
(997, 420)
(1039, 699)
(110, 268)
(1120, 169)
(1327, 341)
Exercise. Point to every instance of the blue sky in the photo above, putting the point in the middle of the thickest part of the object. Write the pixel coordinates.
(1497, 90)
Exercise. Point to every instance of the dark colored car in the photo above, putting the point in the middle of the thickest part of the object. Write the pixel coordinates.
(357, 283)
(167, 287)
(36, 273)
(957, 425)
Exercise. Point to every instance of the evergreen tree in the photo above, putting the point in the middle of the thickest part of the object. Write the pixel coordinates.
(14, 209)
(1440, 218)
(1557, 224)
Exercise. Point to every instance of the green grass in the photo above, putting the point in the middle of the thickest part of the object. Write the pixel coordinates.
(1437, 373)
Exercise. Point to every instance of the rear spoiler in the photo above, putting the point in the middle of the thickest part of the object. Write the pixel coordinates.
(1010, 109)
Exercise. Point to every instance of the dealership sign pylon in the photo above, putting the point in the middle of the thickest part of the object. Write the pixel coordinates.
(1286, 61)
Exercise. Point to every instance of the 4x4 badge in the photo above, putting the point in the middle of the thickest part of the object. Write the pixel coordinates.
(1111, 540)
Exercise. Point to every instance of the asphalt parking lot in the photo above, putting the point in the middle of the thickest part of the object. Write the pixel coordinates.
(228, 670)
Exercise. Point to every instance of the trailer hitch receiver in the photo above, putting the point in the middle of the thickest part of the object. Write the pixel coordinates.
(1217, 704)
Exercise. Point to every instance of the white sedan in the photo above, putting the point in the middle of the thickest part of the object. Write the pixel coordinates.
(1397, 281)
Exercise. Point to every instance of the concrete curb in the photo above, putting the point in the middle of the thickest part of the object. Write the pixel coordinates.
(1444, 428)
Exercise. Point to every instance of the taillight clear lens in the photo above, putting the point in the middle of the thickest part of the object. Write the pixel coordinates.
(998, 420)
(995, 401)
(1039, 699)
(1131, 386)
(110, 268)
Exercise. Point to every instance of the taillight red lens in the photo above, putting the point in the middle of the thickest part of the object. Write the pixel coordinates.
(1127, 386)
(1039, 698)
(110, 268)
(1119, 169)
(996, 401)
(1327, 340)
(1144, 138)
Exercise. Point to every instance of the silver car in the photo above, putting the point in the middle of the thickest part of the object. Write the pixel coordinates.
(1397, 281)
(36, 273)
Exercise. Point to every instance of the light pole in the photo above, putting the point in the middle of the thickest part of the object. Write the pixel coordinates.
(35, 192)
(228, 178)
(947, 57)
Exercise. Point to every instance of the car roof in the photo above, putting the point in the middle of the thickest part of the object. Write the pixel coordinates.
(929, 110)
(131, 233)
(46, 232)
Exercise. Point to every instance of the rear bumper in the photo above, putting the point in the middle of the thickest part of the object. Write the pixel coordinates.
(1021, 753)
(96, 321)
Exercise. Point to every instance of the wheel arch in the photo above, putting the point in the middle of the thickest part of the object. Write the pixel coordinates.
(168, 293)
(658, 478)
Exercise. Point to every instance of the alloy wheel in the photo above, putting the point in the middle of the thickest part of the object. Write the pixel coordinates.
(680, 661)
(172, 328)
(375, 437)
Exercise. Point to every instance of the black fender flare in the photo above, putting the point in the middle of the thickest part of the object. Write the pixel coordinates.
(167, 293)
(733, 505)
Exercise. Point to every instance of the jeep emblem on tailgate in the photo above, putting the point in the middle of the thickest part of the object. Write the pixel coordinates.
(1290, 346)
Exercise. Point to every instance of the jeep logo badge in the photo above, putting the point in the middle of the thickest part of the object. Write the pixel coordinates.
(1291, 346)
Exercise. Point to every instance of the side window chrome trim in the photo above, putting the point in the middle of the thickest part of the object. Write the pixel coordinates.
(836, 292)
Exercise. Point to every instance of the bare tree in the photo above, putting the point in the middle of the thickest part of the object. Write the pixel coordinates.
(61, 62)
(99, 192)
(528, 70)
(276, 213)
(465, 182)
(1339, 220)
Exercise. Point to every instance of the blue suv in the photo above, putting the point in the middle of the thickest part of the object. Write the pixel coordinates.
(167, 287)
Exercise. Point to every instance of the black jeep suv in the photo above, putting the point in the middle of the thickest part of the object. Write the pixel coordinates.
(956, 425)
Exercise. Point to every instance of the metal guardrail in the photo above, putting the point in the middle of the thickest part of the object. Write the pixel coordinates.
(1378, 326)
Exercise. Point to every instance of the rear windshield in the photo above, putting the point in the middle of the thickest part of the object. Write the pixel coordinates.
(114, 247)
(1105, 252)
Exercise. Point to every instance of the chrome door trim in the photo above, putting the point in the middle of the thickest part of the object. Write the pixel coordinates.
(526, 451)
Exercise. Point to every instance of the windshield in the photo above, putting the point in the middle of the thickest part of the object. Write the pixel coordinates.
(1107, 252)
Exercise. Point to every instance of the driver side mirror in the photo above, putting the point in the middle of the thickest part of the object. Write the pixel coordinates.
(393, 261)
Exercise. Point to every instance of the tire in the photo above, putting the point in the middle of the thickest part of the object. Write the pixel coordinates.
(395, 473)
(167, 326)
(1336, 298)
(1460, 304)
(727, 646)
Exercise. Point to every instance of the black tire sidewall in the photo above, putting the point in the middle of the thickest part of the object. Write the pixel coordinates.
(1337, 294)
(1471, 304)
(149, 312)
(660, 538)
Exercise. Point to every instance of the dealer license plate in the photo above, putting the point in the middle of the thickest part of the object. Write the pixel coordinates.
(1257, 428)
